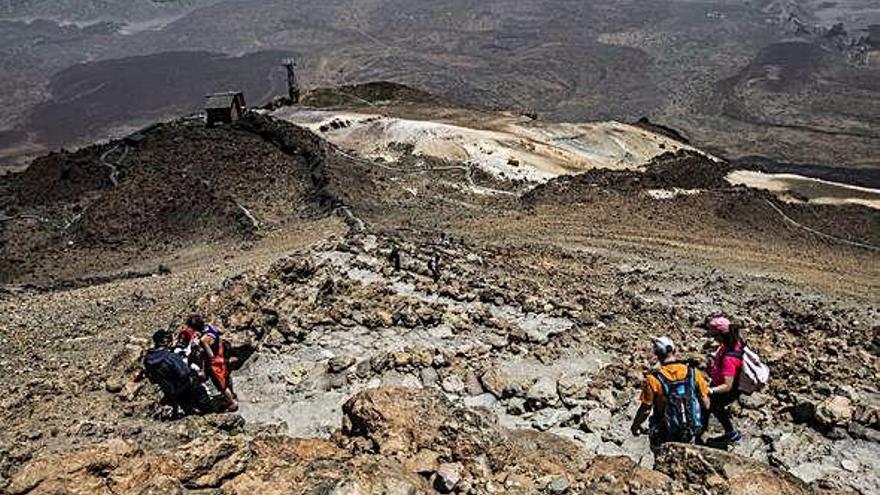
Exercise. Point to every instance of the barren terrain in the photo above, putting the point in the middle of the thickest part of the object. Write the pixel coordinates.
(516, 373)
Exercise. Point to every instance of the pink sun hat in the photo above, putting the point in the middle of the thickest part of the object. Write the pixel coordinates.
(718, 325)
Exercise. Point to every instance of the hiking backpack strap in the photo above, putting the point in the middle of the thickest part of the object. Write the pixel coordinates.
(661, 416)
(690, 379)
(691, 392)
(699, 419)
(663, 382)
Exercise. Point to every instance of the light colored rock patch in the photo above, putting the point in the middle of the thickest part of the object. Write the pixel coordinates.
(509, 147)
(670, 193)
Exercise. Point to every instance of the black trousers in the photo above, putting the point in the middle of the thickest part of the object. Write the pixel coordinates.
(719, 408)
(193, 400)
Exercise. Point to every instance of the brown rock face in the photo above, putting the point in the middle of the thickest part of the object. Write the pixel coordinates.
(720, 472)
(233, 466)
(622, 475)
(395, 440)
(288, 466)
(494, 382)
(426, 430)
(72, 473)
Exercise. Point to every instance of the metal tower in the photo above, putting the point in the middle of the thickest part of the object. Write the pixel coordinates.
(292, 85)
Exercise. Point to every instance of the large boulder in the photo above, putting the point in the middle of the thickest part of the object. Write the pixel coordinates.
(116, 467)
(540, 452)
(542, 393)
(73, 473)
(701, 468)
(412, 423)
(613, 475)
(297, 466)
(495, 382)
(401, 420)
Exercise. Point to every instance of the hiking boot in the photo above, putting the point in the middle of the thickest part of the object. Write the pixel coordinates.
(727, 438)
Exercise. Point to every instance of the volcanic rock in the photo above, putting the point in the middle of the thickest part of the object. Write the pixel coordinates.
(453, 384)
(405, 420)
(340, 363)
(516, 406)
(834, 411)
(699, 467)
(597, 420)
(572, 388)
(447, 477)
(542, 393)
(495, 382)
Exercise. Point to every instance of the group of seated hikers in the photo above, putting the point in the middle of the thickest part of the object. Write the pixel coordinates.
(680, 400)
(180, 366)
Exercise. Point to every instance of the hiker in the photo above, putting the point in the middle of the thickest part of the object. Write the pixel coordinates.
(179, 384)
(676, 393)
(724, 369)
(217, 359)
(394, 258)
(434, 267)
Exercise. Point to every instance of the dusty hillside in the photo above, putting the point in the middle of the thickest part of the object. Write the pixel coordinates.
(104, 208)
(516, 373)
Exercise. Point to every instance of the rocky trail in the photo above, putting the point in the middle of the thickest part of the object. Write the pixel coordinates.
(362, 379)
(517, 372)
(540, 357)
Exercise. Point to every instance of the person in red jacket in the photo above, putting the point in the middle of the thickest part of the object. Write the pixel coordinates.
(216, 359)
(724, 369)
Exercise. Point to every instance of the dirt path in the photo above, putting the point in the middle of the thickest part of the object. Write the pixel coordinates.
(114, 166)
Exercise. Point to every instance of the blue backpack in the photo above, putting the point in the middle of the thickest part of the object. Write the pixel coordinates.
(168, 370)
(682, 419)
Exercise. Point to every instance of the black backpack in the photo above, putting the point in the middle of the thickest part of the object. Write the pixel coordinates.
(168, 370)
(682, 419)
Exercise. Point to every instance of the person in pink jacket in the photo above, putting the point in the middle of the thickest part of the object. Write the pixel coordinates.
(724, 369)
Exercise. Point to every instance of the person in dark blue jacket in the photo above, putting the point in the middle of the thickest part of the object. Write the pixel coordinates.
(180, 386)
